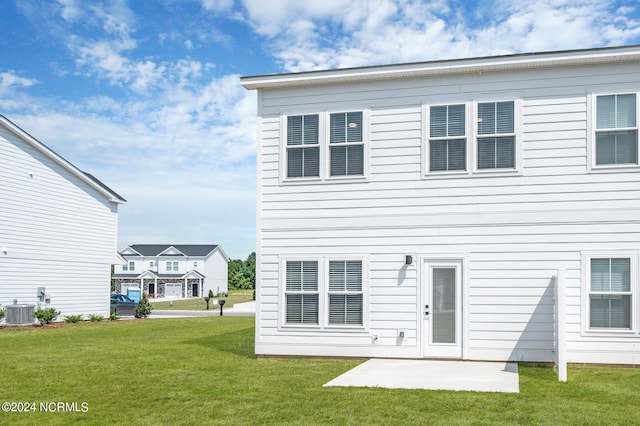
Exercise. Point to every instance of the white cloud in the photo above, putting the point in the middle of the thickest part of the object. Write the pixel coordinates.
(9, 81)
(217, 5)
(336, 33)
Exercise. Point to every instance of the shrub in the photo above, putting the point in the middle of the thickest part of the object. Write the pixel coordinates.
(46, 316)
(143, 308)
(113, 317)
(95, 317)
(73, 318)
(210, 294)
(1, 314)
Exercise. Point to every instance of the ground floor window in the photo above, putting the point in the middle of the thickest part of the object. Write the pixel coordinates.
(610, 293)
(345, 292)
(301, 292)
(324, 292)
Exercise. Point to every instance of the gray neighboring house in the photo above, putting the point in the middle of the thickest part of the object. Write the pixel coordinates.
(178, 270)
(58, 232)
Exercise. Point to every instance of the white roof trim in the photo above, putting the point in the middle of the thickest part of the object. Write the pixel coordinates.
(39, 146)
(447, 67)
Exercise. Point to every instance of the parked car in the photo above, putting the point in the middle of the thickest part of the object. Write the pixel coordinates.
(123, 304)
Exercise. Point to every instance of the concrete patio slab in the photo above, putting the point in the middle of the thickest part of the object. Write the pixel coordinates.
(433, 375)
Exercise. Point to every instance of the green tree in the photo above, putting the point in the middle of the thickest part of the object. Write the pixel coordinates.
(242, 274)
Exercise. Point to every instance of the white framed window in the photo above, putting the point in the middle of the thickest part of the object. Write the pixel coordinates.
(303, 146)
(324, 292)
(172, 266)
(346, 144)
(345, 294)
(495, 135)
(328, 145)
(195, 264)
(610, 293)
(616, 130)
(129, 266)
(447, 138)
(151, 264)
(610, 290)
(301, 292)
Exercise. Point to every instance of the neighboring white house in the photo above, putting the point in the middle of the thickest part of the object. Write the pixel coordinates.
(58, 229)
(178, 270)
(425, 209)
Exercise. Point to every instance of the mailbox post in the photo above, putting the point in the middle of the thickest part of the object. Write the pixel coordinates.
(222, 302)
(206, 299)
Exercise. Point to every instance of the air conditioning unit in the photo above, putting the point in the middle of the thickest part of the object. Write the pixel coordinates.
(19, 314)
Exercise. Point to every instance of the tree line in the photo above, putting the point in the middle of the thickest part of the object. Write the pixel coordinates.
(242, 273)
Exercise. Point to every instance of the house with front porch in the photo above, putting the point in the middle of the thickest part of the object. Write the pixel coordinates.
(178, 271)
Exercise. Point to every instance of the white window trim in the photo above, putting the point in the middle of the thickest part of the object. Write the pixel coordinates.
(323, 293)
(592, 167)
(323, 142)
(365, 145)
(426, 157)
(364, 292)
(585, 287)
(517, 133)
(471, 134)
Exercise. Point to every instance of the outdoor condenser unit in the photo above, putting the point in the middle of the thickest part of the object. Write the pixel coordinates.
(19, 314)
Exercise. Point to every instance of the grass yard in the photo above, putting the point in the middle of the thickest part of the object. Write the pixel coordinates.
(198, 304)
(203, 371)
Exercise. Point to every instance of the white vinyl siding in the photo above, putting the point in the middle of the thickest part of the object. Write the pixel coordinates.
(58, 232)
(496, 141)
(301, 294)
(447, 141)
(346, 144)
(303, 146)
(517, 228)
(616, 130)
(610, 293)
(345, 292)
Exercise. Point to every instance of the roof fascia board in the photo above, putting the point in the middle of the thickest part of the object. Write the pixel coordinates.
(447, 67)
(39, 146)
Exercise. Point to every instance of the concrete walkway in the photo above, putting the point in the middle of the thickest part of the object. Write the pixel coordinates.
(433, 375)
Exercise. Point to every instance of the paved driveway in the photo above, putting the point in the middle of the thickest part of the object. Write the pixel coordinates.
(247, 309)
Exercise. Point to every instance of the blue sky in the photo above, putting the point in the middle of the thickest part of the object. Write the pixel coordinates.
(145, 94)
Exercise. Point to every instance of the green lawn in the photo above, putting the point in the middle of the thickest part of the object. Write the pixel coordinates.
(198, 304)
(203, 371)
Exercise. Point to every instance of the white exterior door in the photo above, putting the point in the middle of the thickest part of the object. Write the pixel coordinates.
(442, 308)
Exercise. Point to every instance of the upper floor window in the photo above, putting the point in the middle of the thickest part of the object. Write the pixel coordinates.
(151, 264)
(195, 264)
(616, 130)
(447, 140)
(496, 135)
(129, 266)
(346, 144)
(172, 266)
(303, 146)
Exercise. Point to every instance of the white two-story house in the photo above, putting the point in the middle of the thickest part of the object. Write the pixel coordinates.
(178, 270)
(433, 209)
(58, 231)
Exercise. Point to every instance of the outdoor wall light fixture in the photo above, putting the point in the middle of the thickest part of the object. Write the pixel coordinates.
(408, 259)
(4, 250)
